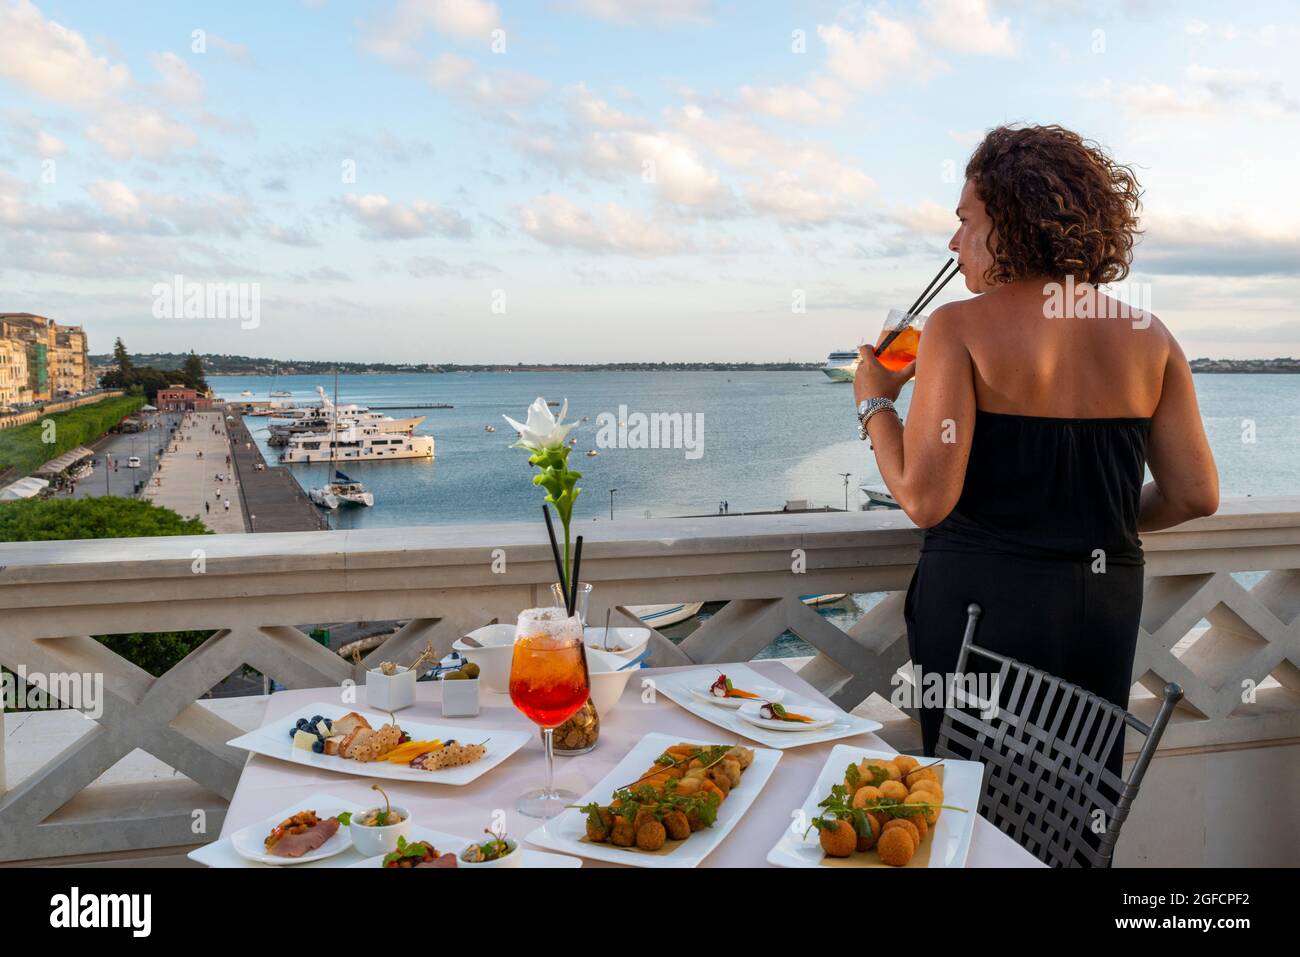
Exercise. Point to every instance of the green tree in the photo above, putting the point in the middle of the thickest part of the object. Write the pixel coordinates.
(39, 520)
(192, 372)
(123, 360)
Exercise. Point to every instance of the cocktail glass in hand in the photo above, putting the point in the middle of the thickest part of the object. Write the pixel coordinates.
(548, 683)
(902, 350)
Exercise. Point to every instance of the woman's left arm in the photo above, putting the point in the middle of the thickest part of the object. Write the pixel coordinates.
(924, 465)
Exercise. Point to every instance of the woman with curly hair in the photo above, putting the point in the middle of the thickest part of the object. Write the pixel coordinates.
(1038, 404)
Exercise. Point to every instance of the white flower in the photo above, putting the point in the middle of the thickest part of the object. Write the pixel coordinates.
(543, 431)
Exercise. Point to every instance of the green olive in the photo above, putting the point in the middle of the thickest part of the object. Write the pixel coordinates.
(455, 675)
(471, 669)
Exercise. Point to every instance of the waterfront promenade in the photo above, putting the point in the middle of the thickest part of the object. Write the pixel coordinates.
(273, 500)
(187, 482)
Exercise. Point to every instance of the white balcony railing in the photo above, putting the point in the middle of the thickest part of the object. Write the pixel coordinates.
(1240, 675)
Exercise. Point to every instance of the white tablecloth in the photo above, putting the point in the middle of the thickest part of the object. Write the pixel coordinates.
(267, 784)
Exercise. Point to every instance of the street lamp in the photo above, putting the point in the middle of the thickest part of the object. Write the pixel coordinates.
(611, 503)
(846, 488)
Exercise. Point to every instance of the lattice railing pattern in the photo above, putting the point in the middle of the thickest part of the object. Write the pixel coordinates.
(255, 589)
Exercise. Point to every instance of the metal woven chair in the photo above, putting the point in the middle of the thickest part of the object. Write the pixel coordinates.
(1045, 749)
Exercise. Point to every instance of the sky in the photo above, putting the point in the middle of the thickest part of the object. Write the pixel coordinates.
(613, 180)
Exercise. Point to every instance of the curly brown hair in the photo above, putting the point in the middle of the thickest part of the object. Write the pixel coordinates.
(1060, 206)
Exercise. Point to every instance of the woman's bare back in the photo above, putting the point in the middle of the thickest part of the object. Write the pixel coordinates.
(1101, 359)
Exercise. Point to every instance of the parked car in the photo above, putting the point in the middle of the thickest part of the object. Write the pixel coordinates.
(133, 462)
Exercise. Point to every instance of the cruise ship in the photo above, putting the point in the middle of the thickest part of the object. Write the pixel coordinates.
(840, 366)
(356, 443)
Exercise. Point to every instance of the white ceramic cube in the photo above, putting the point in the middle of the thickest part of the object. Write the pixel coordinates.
(390, 692)
(459, 697)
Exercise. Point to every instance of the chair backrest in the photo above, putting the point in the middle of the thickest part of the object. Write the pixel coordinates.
(1044, 744)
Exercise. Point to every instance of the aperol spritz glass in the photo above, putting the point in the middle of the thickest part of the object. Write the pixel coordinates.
(548, 683)
(902, 350)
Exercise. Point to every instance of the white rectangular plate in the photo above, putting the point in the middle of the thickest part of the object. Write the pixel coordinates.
(947, 843)
(220, 853)
(567, 831)
(273, 741)
(676, 688)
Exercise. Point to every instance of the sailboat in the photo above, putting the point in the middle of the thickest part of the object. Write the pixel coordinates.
(343, 490)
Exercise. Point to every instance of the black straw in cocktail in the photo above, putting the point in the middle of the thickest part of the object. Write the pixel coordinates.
(919, 306)
(555, 551)
(937, 277)
(577, 564)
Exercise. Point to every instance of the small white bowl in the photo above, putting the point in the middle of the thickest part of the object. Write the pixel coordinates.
(632, 640)
(514, 859)
(607, 682)
(390, 692)
(494, 658)
(378, 840)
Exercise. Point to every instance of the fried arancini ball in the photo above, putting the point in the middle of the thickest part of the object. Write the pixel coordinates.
(906, 763)
(651, 835)
(906, 824)
(921, 774)
(893, 791)
(622, 834)
(867, 841)
(721, 779)
(889, 767)
(925, 784)
(931, 814)
(919, 822)
(865, 795)
(600, 833)
(895, 846)
(838, 839)
(677, 826)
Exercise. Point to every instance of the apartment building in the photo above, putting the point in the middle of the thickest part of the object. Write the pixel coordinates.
(56, 357)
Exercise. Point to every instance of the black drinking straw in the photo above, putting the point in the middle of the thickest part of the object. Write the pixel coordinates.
(918, 306)
(939, 275)
(555, 549)
(577, 563)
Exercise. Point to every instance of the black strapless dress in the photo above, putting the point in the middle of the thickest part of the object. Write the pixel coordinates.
(1044, 499)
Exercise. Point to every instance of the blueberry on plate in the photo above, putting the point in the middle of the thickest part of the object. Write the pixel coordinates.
(318, 746)
(316, 719)
(301, 724)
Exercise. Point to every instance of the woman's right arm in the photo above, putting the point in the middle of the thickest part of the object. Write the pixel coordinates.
(1186, 482)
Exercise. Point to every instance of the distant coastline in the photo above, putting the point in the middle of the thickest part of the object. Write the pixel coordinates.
(249, 366)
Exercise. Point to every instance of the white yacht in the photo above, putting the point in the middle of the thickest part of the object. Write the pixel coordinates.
(341, 491)
(326, 415)
(877, 498)
(356, 443)
(840, 366)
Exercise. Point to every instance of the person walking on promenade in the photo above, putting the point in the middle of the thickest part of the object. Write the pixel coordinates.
(207, 507)
(227, 501)
(1032, 421)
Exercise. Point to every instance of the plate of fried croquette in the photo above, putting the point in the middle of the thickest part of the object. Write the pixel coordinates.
(873, 809)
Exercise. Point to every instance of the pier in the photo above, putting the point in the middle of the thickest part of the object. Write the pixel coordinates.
(271, 497)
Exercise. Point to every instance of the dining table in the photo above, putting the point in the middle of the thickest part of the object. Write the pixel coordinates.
(268, 785)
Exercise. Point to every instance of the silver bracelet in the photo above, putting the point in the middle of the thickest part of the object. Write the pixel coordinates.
(869, 407)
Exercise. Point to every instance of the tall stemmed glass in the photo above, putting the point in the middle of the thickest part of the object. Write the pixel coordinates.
(548, 683)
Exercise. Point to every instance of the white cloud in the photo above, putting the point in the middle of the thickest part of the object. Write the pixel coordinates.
(883, 51)
(48, 145)
(641, 11)
(394, 38)
(48, 59)
(557, 221)
(457, 74)
(926, 217)
(967, 27)
(384, 219)
(126, 129)
(181, 83)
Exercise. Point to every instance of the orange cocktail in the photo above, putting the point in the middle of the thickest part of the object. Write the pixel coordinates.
(548, 683)
(548, 678)
(902, 350)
